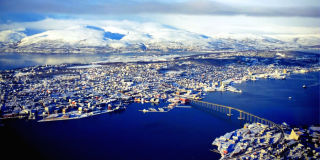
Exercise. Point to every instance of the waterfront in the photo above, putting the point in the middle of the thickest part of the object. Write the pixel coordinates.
(179, 134)
(160, 80)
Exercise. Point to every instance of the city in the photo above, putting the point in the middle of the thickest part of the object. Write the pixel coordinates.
(71, 91)
(160, 79)
(92, 89)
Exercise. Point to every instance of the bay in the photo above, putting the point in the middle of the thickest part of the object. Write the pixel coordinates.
(179, 134)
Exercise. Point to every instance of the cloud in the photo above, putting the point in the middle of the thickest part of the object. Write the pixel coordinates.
(193, 7)
(212, 25)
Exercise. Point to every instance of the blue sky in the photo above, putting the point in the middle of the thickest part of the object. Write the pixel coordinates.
(206, 16)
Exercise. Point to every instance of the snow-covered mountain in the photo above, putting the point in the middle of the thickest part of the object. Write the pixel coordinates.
(125, 36)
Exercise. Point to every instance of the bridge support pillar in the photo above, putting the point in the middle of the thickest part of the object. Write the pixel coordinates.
(240, 116)
(229, 114)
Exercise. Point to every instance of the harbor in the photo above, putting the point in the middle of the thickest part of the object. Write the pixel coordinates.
(191, 125)
(160, 80)
(154, 105)
(78, 114)
(54, 89)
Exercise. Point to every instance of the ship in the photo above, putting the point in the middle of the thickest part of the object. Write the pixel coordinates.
(233, 89)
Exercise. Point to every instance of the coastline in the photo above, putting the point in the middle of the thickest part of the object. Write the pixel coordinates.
(260, 141)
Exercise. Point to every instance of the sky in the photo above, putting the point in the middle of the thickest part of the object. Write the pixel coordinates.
(209, 17)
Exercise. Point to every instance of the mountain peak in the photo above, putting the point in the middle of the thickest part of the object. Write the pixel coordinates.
(110, 36)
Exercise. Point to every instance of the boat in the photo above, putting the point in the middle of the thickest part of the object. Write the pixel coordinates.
(119, 109)
(233, 89)
(161, 109)
(304, 86)
(152, 110)
(209, 89)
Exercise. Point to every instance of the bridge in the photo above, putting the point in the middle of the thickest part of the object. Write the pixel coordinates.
(243, 115)
(229, 111)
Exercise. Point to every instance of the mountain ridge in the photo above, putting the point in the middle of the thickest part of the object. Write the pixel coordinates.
(141, 37)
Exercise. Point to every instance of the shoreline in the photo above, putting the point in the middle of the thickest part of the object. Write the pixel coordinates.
(257, 141)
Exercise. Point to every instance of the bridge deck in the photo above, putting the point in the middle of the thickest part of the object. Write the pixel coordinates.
(243, 115)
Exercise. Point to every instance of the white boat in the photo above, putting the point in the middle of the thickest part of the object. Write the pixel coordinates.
(233, 89)
(161, 109)
(152, 110)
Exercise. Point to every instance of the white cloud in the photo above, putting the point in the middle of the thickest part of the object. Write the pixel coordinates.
(212, 25)
(11, 36)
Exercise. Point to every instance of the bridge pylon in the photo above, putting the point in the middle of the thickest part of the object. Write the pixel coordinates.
(229, 114)
(240, 116)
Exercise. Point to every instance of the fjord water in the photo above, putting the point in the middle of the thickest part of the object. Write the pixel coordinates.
(16, 60)
(277, 100)
(179, 134)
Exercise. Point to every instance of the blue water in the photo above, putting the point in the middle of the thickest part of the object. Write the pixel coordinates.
(179, 134)
(16, 60)
(270, 99)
